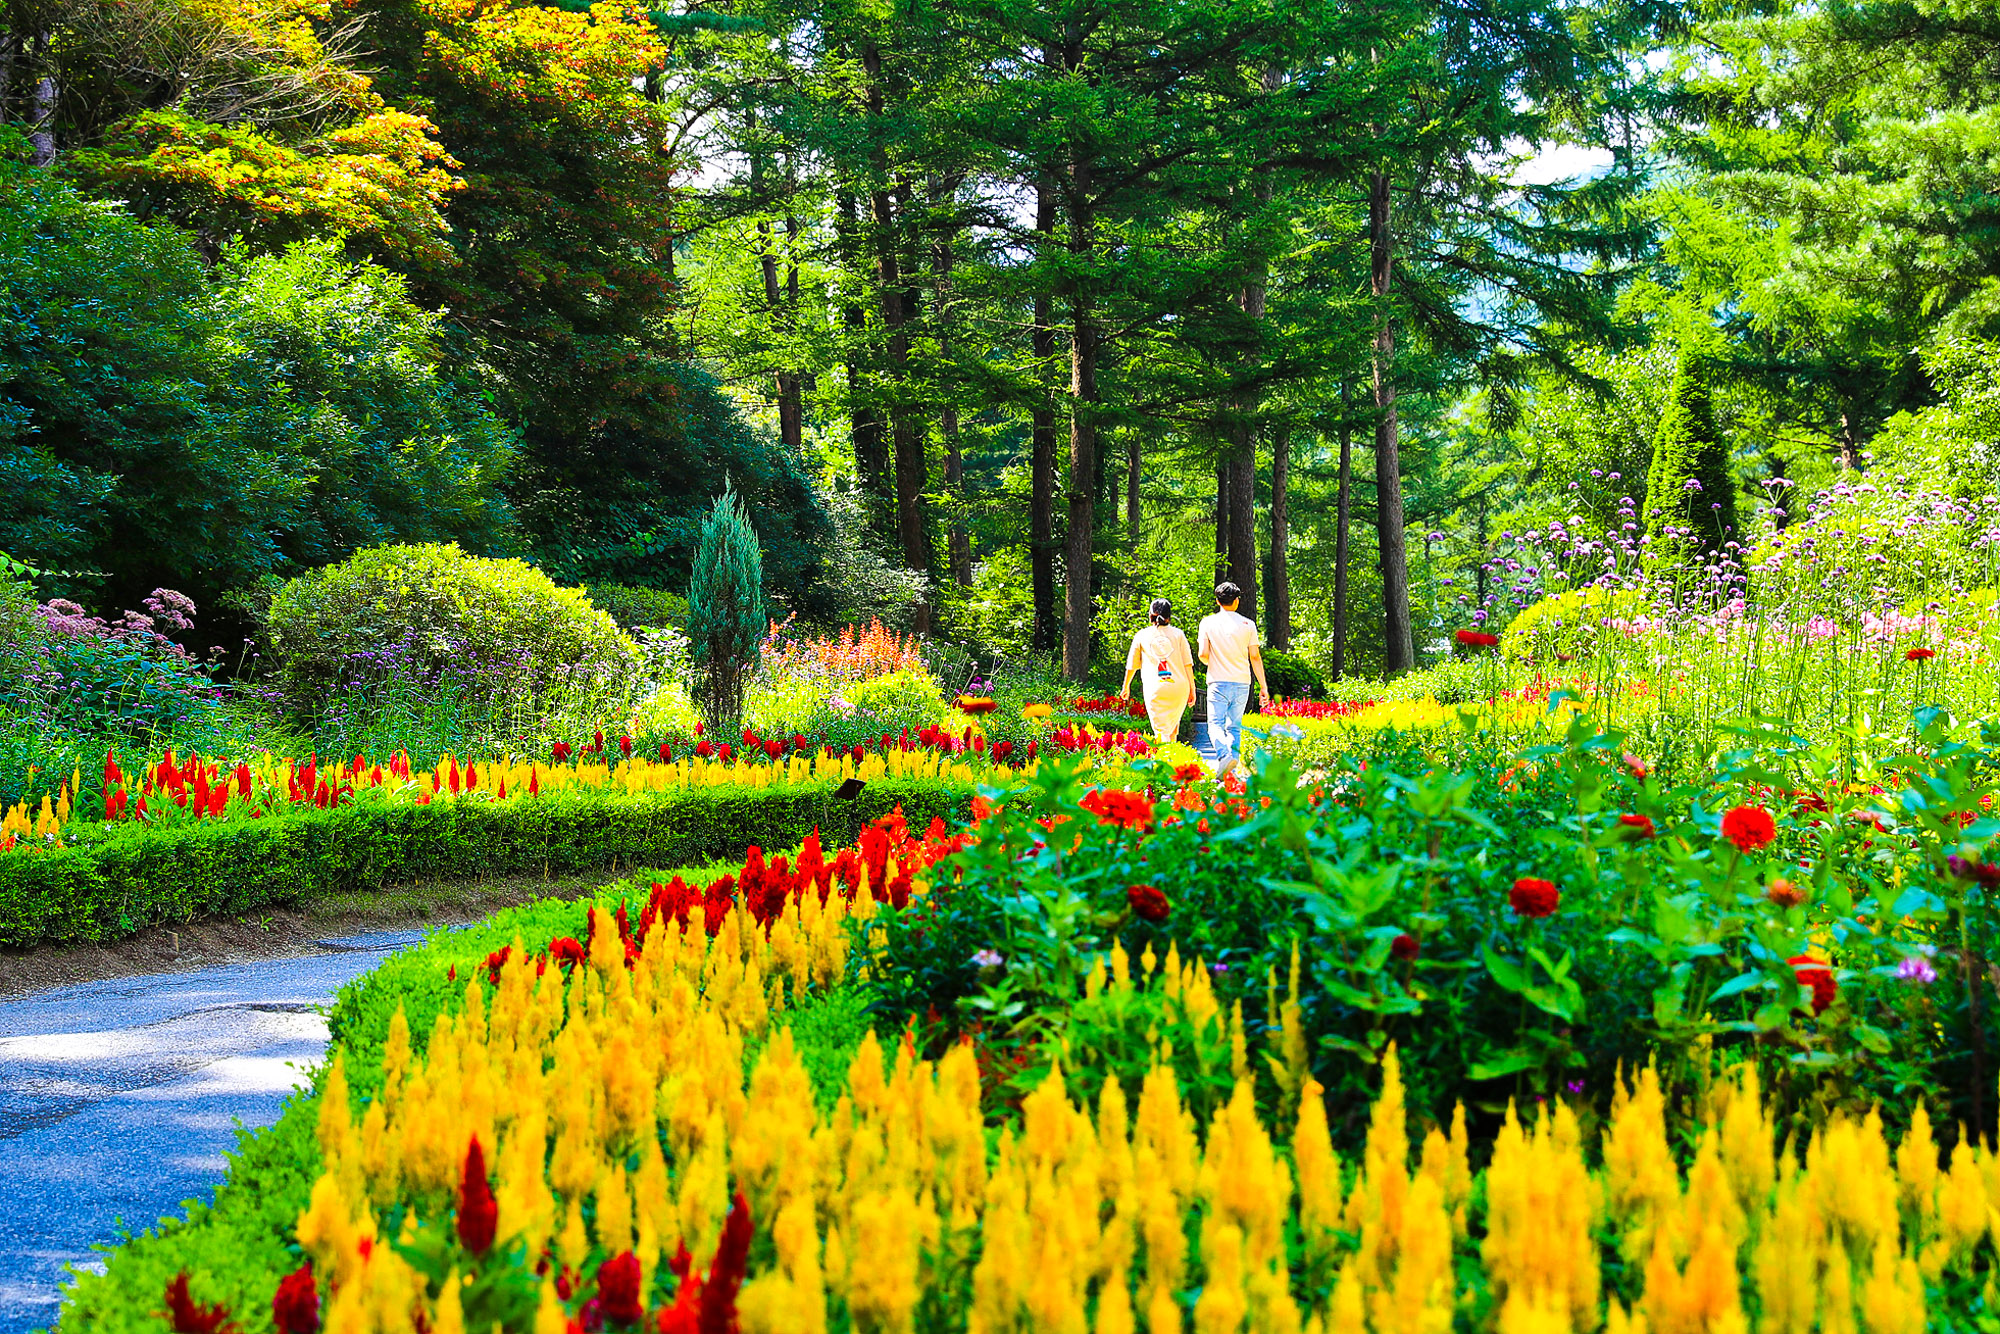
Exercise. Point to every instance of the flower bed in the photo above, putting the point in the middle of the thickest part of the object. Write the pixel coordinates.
(567, 1139)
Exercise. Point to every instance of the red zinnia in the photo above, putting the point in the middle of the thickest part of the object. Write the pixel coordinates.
(1640, 826)
(187, 1316)
(478, 1211)
(618, 1295)
(1476, 639)
(1147, 903)
(1919, 654)
(1404, 946)
(1814, 975)
(1120, 807)
(295, 1307)
(1532, 897)
(1749, 827)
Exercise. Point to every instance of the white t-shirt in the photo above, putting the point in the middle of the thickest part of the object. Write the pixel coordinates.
(1160, 655)
(1226, 639)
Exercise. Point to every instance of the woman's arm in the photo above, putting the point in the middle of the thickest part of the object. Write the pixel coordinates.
(1134, 656)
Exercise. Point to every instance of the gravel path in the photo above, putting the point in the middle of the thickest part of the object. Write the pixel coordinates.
(118, 1099)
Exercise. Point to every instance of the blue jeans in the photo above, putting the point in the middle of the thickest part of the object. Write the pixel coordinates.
(1226, 702)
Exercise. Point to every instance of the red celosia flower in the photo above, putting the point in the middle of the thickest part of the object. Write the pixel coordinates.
(705, 749)
(1147, 903)
(1404, 946)
(567, 950)
(625, 746)
(724, 752)
(187, 1316)
(1001, 750)
(773, 749)
(562, 752)
(1637, 826)
(1784, 893)
(666, 753)
(295, 1307)
(1532, 897)
(1120, 807)
(1749, 827)
(618, 1296)
(1476, 639)
(1919, 654)
(478, 1211)
(1814, 975)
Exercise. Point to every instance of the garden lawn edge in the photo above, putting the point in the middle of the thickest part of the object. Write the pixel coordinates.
(235, 1248)
(141, 877)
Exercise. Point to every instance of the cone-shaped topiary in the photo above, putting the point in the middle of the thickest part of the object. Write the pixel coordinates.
(726, 620)
(1689, 488)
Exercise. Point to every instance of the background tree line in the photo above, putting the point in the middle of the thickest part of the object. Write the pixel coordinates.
(1001, 317)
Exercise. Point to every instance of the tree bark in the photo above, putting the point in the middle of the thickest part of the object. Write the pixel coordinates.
(871, 455)
(1278, 588)
(1398, 642)
(1042, 444)
(1343, 509)
(1221, 519)
(42, 113)
(906, 444)
(1078, 552)
(1243, 522)
(1133, 447)
(791, 421)
(958, 542)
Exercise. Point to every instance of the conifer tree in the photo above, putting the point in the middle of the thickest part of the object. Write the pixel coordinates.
(1689, 488)
(726, 620)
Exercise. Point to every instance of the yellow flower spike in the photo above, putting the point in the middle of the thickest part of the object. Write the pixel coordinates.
(1703, 1298)
(329, 1232)
(1917, 1174)
(772, 1156)
(1000, 1279)
(395, 1059)
(1243, 1181)
(380, 1161)
(527, 1209)
(613, 1214)
(1222, 1305)
(549, 1316)
(573, 1242)
(1541, 1207)
(1114, 1305)
(1962, 1205)
(1319, 1177)
(653, 1203)
(1892, 1301)
(1785, 1261)
(704, 1192)
(1748, 1141)
(1418, 1299)
(1641, 1182)
(893, 1229)
(340, 1143)
(449, 1315)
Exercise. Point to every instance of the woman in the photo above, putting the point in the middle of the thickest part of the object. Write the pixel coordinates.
(1160, 657)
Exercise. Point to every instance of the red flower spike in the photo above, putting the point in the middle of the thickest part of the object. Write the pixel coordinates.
(1532, 897)
(187, 1316)
(726, 1271)
(1749, 827)
(618, 1295)
(478, 1211)
(561, 751)
(666, 753)
(625, 746)
(1147, 903)
(1816, 977)
(295, 1307)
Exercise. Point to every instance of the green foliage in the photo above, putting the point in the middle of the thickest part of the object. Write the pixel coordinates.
(1291, 676)
(169, 424)
(726, 617)
(132, 876)
(417, 609)
(637, 608)
(1689, 487)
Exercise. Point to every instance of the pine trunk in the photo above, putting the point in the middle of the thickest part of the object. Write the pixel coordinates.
(1278, 588)
(1398, 646)
(1042, 445)
(1343, 511)
(1078, 552)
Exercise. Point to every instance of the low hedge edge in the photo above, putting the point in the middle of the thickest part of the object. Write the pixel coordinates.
(130, 881)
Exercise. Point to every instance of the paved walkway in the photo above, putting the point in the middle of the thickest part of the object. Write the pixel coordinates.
(118, 1099)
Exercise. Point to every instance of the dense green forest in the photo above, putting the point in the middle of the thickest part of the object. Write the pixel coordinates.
(1002, 318)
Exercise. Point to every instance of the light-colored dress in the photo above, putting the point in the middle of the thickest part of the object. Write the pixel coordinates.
(1160, 656)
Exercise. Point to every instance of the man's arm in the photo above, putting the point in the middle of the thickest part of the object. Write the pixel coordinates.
(1257, 668)
(1201, 643)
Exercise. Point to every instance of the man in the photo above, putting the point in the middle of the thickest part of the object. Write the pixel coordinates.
(1228, 647)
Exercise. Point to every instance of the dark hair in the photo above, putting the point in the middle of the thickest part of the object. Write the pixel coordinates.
(1162, 611)
(1226, 593)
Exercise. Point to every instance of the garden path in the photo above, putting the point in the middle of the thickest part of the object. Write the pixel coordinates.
(118, 1099)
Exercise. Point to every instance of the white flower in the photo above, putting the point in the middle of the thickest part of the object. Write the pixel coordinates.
(987, 959)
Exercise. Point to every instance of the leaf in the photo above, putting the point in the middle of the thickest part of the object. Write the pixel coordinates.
(1506, 1063)
(1505, 971)
(1737, 985)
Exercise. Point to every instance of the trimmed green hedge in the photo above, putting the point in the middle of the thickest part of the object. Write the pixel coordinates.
(139, 877)
(237, 1247)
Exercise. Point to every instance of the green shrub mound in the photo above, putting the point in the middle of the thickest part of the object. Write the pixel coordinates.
(239, 1243)
(1292, 677)
(419, 610)
(1566, 625)
(639, 608)
(137, 877)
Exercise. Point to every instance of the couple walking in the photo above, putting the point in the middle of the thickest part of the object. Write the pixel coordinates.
(1228, 646)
